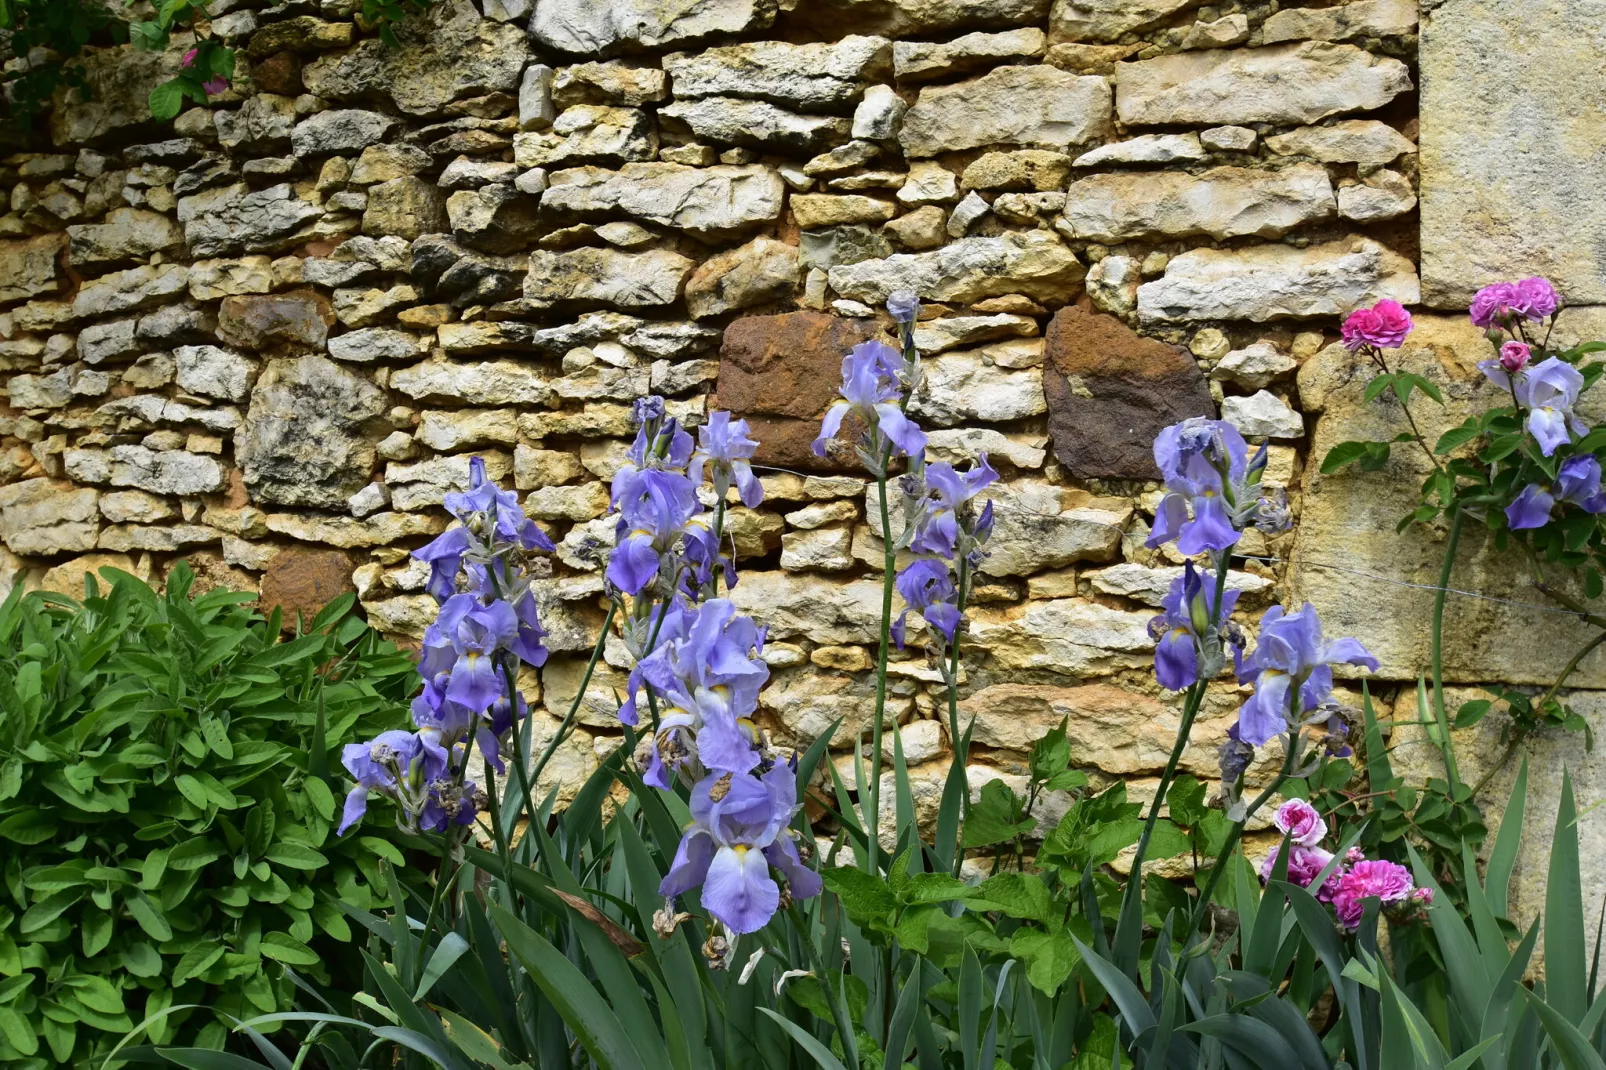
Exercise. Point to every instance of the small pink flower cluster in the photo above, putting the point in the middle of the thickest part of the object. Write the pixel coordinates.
(1353, 880)
(1531, 299)
(1384, 325)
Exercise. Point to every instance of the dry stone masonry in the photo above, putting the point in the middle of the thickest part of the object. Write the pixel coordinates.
(267, 338)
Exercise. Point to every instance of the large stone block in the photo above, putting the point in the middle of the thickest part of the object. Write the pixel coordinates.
(607, 277)
(587, 27)
(758, 124)
(1040, 107)
(698, 199)
(1107, 20)
(810, 76)
(235, 219)
(30, 268)
(1110, 391)
(47, 516)
(308, 436)
(1266, 282)
(1064, 635)
(1035, 263)
(118, 83)
(1225, 202)
(781, 373)
(1376, 585)
(445, 55)
(1511, 162)
(1280, 84)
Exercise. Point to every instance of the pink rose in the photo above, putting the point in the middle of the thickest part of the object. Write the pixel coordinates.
(189, 57)
(1384, 325)
(1536, 299)
(1365, 880)
(1423, 896)
(216, 85)
(1300, 820)
(1305, 864)
(1493, 304)
(1514, 356)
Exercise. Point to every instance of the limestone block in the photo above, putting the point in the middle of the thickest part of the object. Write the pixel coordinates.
(1036, 264)
(1268, 282)
(1038, 107)
(1224, 202)
(1278, 84)
(697, 199)
(809, 77)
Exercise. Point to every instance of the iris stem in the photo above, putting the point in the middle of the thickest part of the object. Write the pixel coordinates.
(1235, 831)
(574, 707)
(1190, 710)
(889, 567)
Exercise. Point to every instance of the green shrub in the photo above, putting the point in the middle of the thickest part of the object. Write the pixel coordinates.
(166, 810)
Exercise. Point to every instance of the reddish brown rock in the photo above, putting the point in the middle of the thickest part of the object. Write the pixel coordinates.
(296, 321)
(301, 580)
(781, 373)
(278, 73)
(1110, 391)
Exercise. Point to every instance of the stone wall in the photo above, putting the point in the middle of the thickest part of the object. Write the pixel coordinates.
(268, 338)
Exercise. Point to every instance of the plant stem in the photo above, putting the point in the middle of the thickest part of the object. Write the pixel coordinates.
(1445, 570)
(574, 707)
(889, 568)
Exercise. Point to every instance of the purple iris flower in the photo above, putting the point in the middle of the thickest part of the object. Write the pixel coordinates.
(707, 670)
(1578, 482)
(1205, 464)
(527, 643)
(947, 493)
(739, 830)
(724, 445)
(927, 589)
(1291, 664)
(871, 389)
(653, 515)
(1548, 390)
(444, 556)
(1188, 614)
(448, 803)
(462, 642)
(381, 765)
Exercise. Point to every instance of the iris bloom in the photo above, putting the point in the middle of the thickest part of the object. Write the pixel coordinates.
(1292, 672)
(871, 389)
(475, 509)
(1548, 390)
(1208, 474)
(654, 515)
(1578, 482)
(739, 830)
(948, 492)
(1177, 632)
(927, 589)
(723, 444)
(463, 642)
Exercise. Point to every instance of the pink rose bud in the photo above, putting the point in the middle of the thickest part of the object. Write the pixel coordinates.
(1423, 896)
(189, 57)
(1514, 356)
(215, 86)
